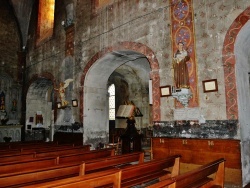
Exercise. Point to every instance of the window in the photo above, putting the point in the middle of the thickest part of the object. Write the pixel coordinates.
(45, 20)
(111, 91)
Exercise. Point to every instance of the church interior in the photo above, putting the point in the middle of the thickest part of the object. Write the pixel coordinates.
(168, 80)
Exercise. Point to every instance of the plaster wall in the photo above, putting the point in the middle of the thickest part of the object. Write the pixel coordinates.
(9, 41)
(146, 22)
(95, 115)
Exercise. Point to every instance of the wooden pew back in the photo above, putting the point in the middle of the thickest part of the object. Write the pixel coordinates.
(38, 163)
(52, 152)
(21, 166)
(108, 177)
(17, 157)
(47, 174)
(63, 151)
(67, 158)
(200, 177)
(125, 159)
(147, 171)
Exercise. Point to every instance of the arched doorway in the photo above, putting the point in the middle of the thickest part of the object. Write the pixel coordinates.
(39, 109)
(129, 66)
(236, 60)
(242, 57)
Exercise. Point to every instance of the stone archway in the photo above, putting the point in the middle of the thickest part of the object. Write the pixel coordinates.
(154, 75)
(94, 84)
(229, 63)
(39, 96)
(236, 68)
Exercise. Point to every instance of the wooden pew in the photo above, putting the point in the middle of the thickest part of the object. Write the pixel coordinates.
(18, 145)
(17, 157)
(25, 151)
(73, 157)
(99, 179)
(131, 175)
(21, 166)
(200, 177)
(63, 151)
(115, 161)
(20, 179)
(52, 152)
(35, 148)
(38, 163)
(34, 177)
(151, 170)
(32, 149)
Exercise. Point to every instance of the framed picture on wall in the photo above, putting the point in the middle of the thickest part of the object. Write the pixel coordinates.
(166, 91)
(210, 85)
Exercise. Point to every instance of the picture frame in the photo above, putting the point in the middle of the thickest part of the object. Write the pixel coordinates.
(165, 91)
(210, 85)
(74, 103)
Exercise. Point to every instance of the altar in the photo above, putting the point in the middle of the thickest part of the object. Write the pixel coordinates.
(11, 131)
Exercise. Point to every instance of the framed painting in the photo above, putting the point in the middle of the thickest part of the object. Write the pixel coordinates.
(210, 85)
(165, 91)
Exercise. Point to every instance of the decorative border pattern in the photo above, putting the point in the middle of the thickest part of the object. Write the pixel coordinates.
(228, 59)
(182, 29)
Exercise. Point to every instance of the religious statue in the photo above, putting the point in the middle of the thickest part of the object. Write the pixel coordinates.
(61, 91)
(181, 76)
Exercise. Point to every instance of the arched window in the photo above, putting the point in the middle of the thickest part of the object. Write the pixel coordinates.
(45, 24)
(111, 91)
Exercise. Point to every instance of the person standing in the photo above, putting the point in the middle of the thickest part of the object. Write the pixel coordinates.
(181, 76)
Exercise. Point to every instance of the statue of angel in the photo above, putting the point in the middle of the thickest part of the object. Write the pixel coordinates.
(61, 90)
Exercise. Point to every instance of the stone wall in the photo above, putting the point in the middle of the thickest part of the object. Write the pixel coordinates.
(10, 41)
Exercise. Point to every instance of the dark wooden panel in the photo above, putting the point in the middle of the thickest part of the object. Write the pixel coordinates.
(68, 138)
(199, 151)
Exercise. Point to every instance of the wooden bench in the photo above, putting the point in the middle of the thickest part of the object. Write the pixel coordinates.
(94, 154)
(40, 148)
(17, 157)
(20, 179)
(18, 145)
(200, 177)
(32, 149)
(63, 151)
(151, 170)
(99, 179)
(52, 152)
(38, 163)
(35, 177)
(131, 175)
(115, 161)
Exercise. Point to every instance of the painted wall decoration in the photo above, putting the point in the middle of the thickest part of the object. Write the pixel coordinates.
(229, 63)
(182, 30)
